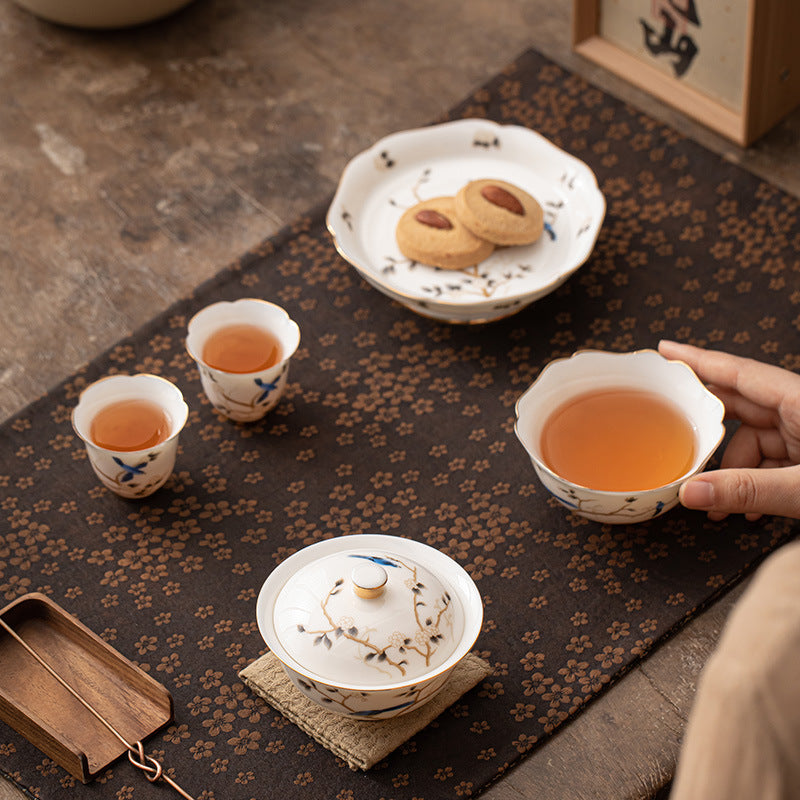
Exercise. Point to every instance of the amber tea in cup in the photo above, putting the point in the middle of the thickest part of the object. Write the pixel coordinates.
(617, 440)
(242, 348)
(666, 429)
(127, 425)
(130, 426)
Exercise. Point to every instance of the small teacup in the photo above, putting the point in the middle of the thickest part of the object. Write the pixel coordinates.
(129, 472)
(243, 396)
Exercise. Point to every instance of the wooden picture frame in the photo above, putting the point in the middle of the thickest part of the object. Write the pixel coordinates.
(740, 80)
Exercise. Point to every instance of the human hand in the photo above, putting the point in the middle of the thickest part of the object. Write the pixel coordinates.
(760, 468)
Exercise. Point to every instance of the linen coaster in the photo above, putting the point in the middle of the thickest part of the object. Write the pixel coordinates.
(362, 744)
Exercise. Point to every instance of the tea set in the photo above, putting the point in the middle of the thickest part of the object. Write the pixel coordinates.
(371, 626)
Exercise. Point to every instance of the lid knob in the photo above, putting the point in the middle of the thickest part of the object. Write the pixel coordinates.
(369, 580)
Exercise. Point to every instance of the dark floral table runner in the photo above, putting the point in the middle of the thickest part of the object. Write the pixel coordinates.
(396, 424)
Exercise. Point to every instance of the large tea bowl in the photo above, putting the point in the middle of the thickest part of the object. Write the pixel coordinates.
(592, 370)
(369, 626)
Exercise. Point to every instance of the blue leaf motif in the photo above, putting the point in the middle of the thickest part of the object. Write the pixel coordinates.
(267, 388)
(384, 562)
(131, 471)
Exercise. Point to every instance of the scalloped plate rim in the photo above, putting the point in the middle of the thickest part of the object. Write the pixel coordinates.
(374, 173)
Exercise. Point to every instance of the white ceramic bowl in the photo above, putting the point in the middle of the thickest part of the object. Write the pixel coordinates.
(590, 370)
(404, 168)
(101, 13)
(369, 626)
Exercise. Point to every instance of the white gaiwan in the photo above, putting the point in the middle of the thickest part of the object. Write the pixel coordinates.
(369, 626)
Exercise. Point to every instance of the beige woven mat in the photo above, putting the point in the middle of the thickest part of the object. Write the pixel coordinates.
(362, 744)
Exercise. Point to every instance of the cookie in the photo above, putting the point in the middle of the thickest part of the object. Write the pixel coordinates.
(499, 212)
(431, 233)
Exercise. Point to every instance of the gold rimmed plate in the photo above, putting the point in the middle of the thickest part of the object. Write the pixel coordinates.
(380, 183)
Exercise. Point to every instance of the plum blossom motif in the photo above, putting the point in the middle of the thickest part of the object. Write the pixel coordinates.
(394, 652)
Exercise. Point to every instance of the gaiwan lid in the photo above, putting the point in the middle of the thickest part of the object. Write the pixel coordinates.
(367, 617)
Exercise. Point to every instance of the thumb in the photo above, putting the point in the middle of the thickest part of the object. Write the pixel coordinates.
(745, 491)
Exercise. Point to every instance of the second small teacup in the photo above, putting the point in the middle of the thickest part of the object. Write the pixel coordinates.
(242, 349)
(130, 425)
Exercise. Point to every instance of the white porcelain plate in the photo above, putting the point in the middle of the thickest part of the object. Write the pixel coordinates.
(404, 168)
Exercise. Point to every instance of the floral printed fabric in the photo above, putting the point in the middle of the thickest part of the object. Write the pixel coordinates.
(396, 424)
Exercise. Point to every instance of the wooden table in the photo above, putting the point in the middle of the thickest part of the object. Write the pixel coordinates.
(137, 164)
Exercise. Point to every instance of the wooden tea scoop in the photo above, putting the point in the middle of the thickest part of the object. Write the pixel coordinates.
(152, 768)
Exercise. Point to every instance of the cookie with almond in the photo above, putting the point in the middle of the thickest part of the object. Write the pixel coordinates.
(499, 212)
(431, 233)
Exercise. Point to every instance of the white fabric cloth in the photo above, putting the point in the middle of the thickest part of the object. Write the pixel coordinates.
(742, 741)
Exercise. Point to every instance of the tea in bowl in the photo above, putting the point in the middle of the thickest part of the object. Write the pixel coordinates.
(130, 426)
(612, 436)
(242, 350)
